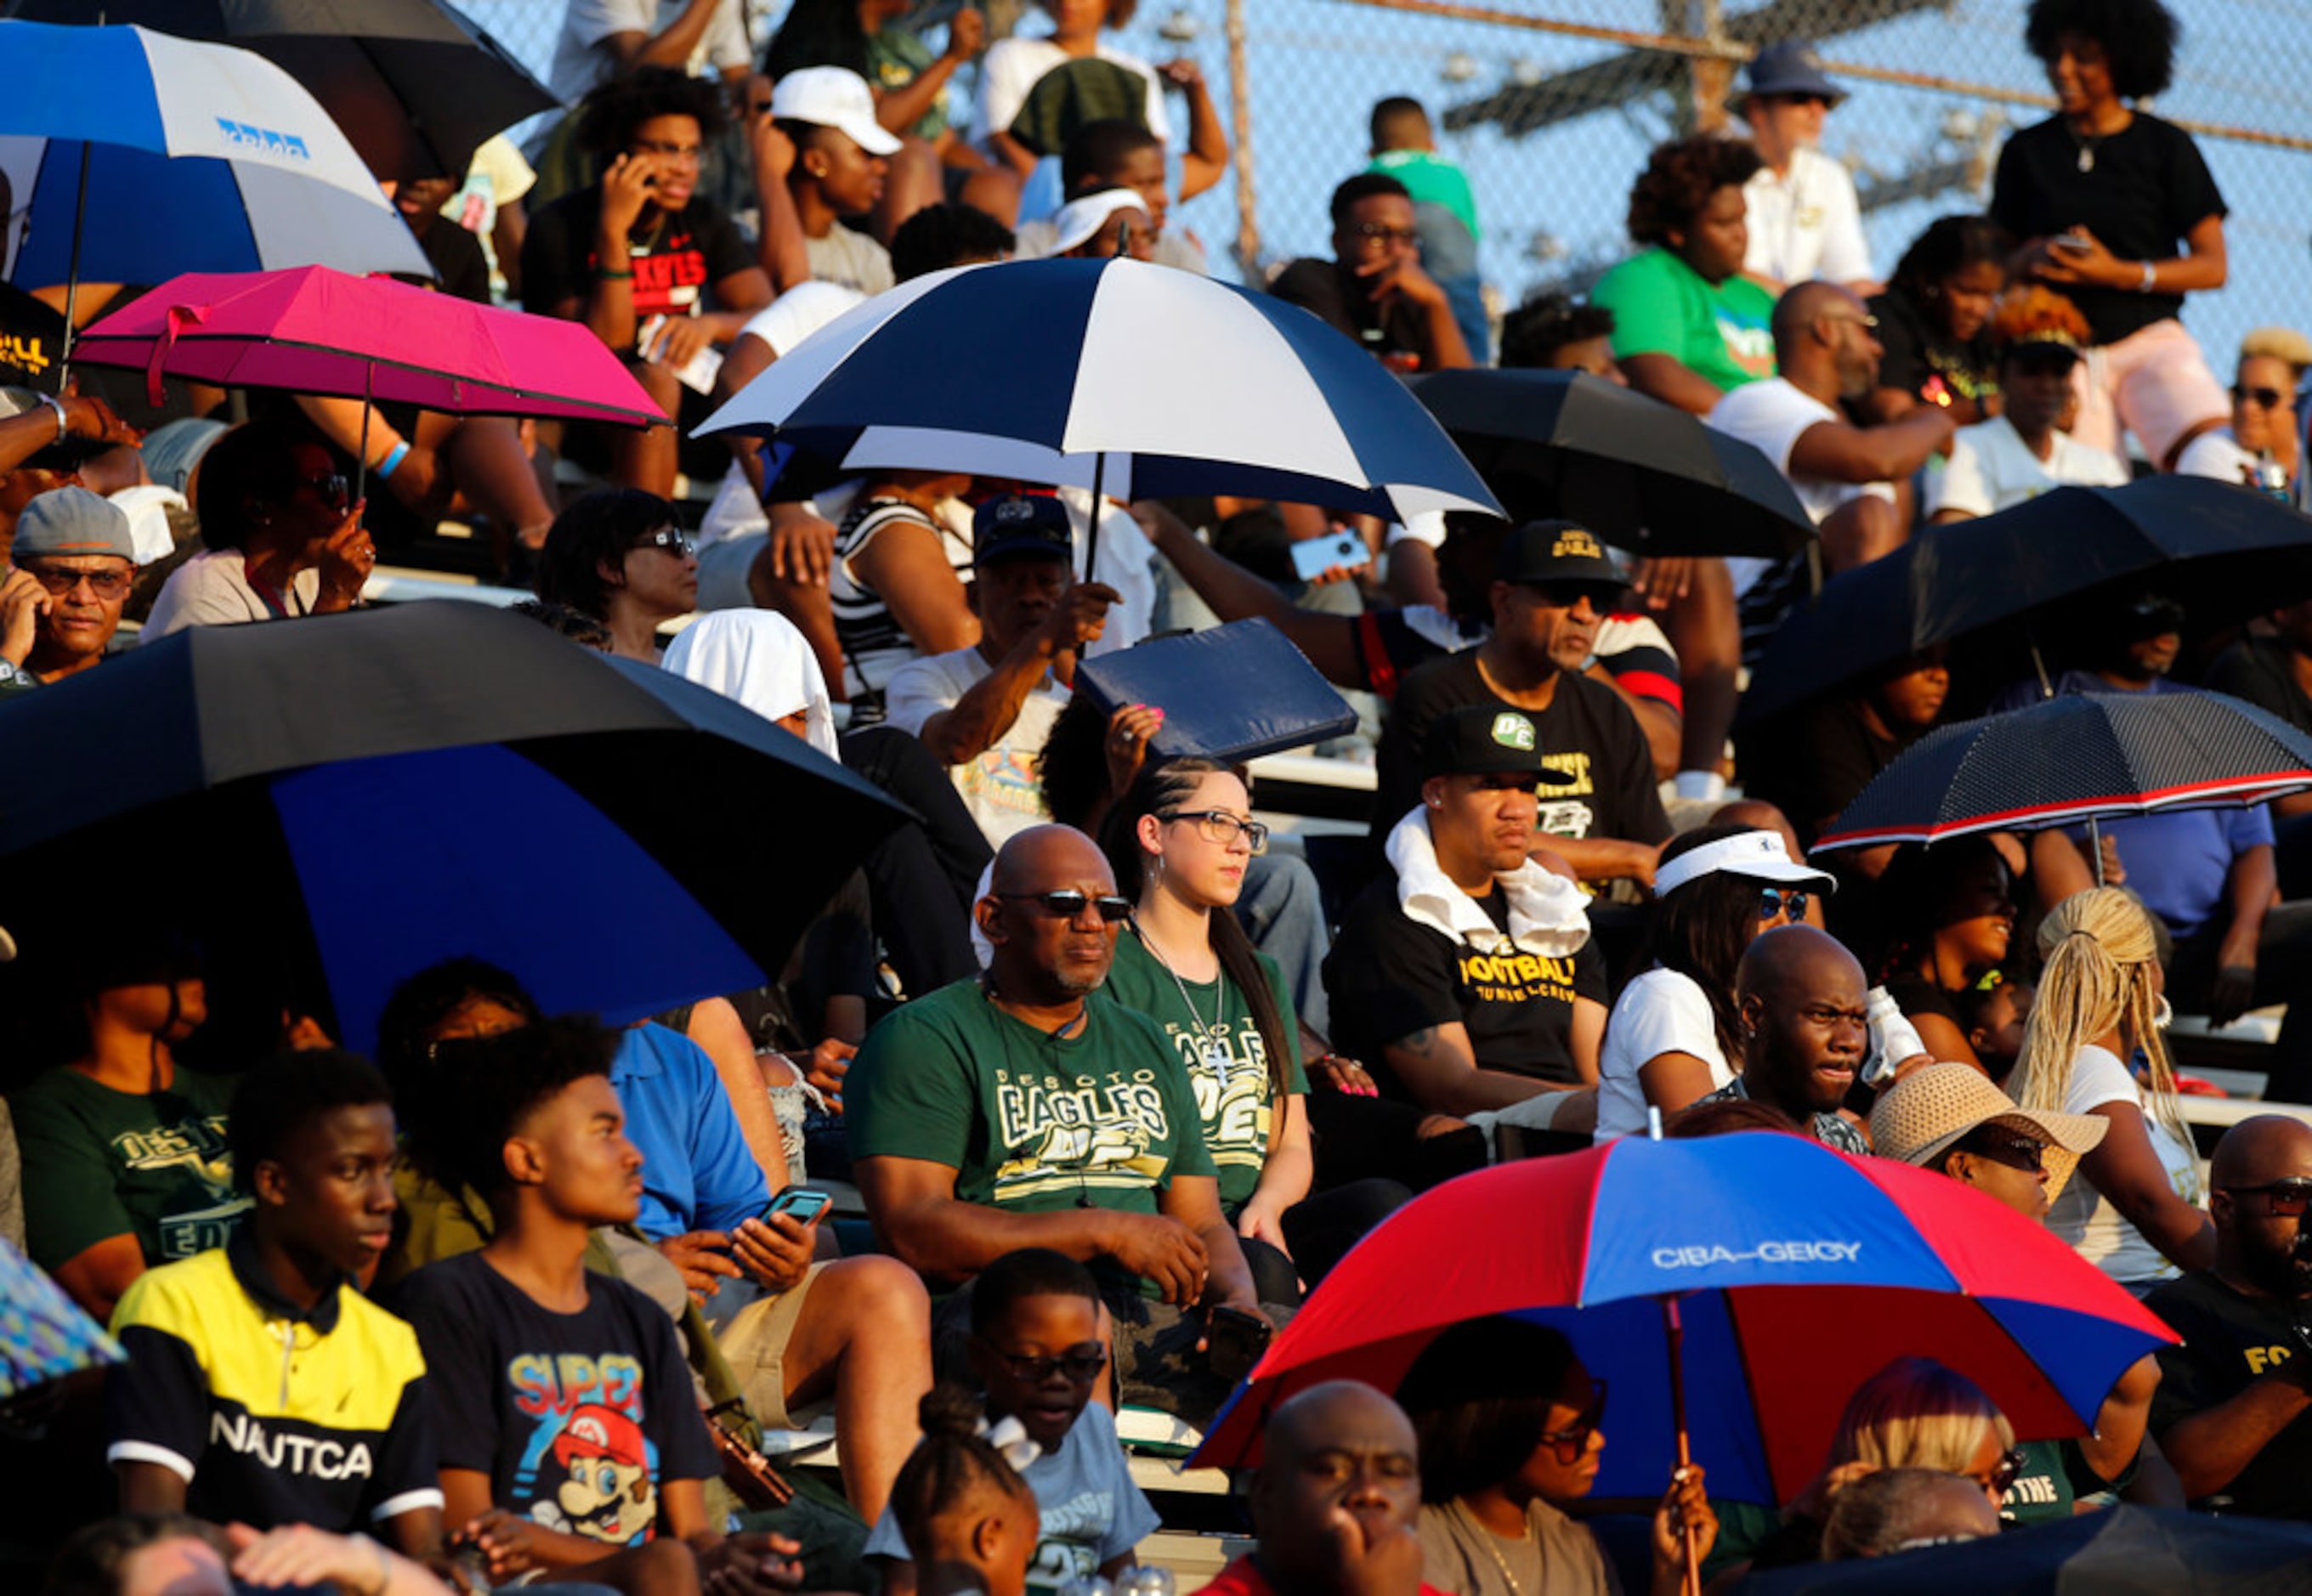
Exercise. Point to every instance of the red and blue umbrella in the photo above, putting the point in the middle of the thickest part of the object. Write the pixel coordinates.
(1796, 1273)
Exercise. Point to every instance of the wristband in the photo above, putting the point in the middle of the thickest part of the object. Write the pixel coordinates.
(2151, 284)
(393, 458)
(64, 419)
(608, 276)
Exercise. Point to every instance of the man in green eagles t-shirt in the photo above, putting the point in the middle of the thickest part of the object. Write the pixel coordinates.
(1025, 1110)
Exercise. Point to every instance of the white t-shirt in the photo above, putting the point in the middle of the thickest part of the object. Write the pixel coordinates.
(849, 258)
(212, 589)
(1013, 65)
(1806, 224)
(2217, 454)
(580, 62)
(1000, 787)
(2082, 1216)
(784, 323)
(1990, 469)
(1772, 415)
(1660, 1012)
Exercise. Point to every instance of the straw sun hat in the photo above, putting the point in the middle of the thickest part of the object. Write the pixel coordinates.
(1922, 1115)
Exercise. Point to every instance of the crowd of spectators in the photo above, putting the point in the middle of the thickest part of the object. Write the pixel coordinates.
(1116, 1068)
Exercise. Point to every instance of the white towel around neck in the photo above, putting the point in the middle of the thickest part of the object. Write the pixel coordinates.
(1546, 911)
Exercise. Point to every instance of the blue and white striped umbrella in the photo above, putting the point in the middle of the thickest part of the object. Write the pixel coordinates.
(202, 158)
(1037, 369)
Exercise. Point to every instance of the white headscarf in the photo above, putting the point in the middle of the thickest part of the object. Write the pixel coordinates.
(758, 657)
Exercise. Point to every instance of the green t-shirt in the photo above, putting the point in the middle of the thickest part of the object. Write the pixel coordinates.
(899, 56)
(1662, 306)
(1431, 180)
(99, 1164)
(1030, 1123)
(1231, 1083)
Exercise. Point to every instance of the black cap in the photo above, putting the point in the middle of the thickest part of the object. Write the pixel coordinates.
(1555, 552)
(1018, 525)
(1481, 739)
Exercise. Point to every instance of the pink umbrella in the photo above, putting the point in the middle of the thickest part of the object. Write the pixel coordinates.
(313, 330)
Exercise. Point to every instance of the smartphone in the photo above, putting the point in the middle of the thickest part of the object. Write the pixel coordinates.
(803, 1204)
(1234, 1340)
(2071, 240)
(1313, 557)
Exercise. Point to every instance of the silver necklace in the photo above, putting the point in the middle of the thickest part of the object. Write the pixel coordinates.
(1211, 1041)
(1485, 1539)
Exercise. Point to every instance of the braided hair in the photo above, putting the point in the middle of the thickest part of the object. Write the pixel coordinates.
(952, 1466)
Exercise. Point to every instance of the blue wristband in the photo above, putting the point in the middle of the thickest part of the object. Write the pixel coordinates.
(394, 457)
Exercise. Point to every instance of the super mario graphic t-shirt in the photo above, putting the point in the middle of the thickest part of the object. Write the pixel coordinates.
(579, 1419)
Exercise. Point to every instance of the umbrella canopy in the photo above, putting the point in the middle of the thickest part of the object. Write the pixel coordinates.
(2079, 757)
(313, 330)
(2222, 551)
(201, 157)
(1800, 1273)
(367, 793)
(44, 1335)
(1643, 475)
(2125, 1551)
(416, 84)
(1152, 381)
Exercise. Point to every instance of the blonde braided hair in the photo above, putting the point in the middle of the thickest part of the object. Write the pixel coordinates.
(2099, 954)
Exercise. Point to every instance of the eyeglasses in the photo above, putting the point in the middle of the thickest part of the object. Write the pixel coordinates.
(1218, 825)
(1570, 1443)
(1070, 905)
(332, 489)
(1791, 904)
(1601, 596)
(669, 540)
(667, 150)
(2003, 1474)
(2265, 399)
(2025, 1153)
(1082, 1365)
(60, 581)
(2287, 1199)
(1376, 231)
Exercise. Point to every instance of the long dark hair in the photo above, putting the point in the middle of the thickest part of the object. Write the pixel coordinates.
(1701, 929)
(1479, 1398)
(1165, 787)
(1950, 245)
(1917, 890)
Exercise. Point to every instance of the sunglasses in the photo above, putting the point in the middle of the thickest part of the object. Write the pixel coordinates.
(1571, 1443)
(2003, 1474)
(1791, 904)
(2287, 1199)
(2016, 1152)
(104, 584)
(670, 540)
(1081, 1366)
(1602, 595)
(332, 489)
(1218, 825)
(1070, 905)
(2265, 399)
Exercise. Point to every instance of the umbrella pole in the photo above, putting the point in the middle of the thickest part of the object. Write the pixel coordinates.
(360, 456)
(1674, 1329)
(1091, 531)
(72, 273)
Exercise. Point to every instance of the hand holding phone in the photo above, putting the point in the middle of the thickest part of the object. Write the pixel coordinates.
(1313, 557)
(1234, 1340)
(800, 1203)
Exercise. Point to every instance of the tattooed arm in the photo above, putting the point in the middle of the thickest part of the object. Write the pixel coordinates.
(1440, 1071)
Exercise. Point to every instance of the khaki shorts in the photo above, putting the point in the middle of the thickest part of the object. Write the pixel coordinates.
(754, 1342)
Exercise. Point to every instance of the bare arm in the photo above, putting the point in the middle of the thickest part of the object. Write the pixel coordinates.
(1413, 574)
(1194, 1201)
(987, 708)
(2125, 1169)
(1670, 380)
(2210, 1448)
(1440, 1069)
(1943, 1041)
(2122, 1421)
(149, 1487)
(1675, 1081)
(670, 48)
(1589, 1038)
(715, 1026)
(1604, 858)
(97, 1277)
(782, 251)
(1014, 154)
(1206, 160)
(898, 110)
(1664, 727)
(904, 565)
(1235, 594)
(1839, 451)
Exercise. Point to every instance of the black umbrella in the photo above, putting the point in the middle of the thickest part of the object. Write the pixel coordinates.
(2079, 757)
(2224, 552)
(1642, 476)
(360, 795)
(416, 85)
(2127, 1551)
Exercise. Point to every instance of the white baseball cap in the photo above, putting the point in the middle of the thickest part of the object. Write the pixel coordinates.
(1758, 856)
(833, 97)
(1078, 221)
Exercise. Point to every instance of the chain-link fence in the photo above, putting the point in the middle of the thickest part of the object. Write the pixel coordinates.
(1550, 109)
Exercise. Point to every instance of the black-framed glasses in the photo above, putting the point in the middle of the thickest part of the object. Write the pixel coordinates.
(60, 581)
(1372, 232)
(670, 540)
(1080, 1364)
(2266, 398)
(1602, 596)
(331, 489)
(1571, 1443)
(1069, 905)
(2287, 1199)
(2009, 1147)
(1790, 903)
(1218, 825)
(2003, 1473)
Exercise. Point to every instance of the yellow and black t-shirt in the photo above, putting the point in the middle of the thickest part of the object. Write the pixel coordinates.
(270, 1416)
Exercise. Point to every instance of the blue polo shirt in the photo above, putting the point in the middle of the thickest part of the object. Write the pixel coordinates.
(697, 1174)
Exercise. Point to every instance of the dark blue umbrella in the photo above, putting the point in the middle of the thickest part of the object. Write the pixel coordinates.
(2080, 757)
(354, 796)
(1138, 379)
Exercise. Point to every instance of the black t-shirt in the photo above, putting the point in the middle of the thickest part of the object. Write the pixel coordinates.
(1390, 977)
(2258, 669)
(1324, 289)
(1811, 762)
(2146, 189)
(1924, 360)
(1586, 732)
(2228, 1341)
(32, 340)
(459, 266)
(693, 248)
(579, 1419)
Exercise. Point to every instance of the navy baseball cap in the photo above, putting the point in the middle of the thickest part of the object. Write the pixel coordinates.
(1021, 526)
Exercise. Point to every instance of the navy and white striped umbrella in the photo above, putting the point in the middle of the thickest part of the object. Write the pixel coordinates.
(200, 158)
(1160, 381)
(2081, 758)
